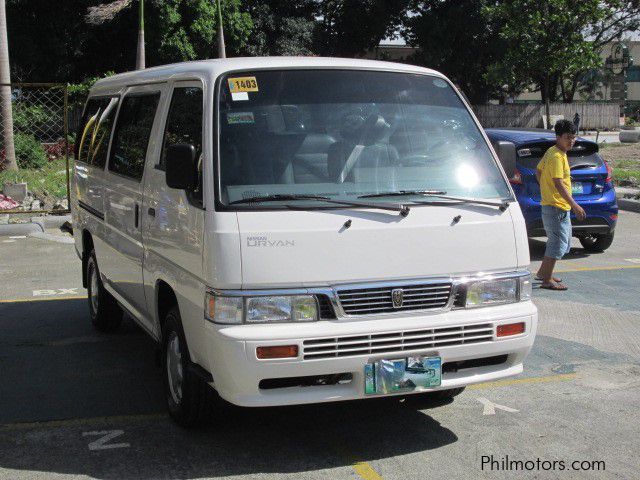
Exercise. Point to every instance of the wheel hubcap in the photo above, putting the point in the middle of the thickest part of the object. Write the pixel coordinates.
(93, 282)
(174, 367)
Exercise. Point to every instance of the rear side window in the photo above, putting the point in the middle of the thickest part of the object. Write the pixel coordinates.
(95, 130)
(131, 135)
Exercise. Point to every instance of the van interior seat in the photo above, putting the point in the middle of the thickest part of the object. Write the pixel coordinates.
(275, 158)
(371, 134)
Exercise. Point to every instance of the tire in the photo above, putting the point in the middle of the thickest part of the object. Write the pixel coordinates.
(597, 243)
(106, 314)
(190, 400)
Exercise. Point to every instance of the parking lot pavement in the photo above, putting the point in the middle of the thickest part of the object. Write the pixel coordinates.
(75, 403)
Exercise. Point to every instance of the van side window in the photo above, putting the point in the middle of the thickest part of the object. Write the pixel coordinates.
(184, 122)
(87, 128)
(184, 125)
(131, 135)
(102, 133)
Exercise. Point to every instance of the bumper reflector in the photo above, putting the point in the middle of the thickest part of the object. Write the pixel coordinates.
(279, 351)
(510, 329)
(613, 216)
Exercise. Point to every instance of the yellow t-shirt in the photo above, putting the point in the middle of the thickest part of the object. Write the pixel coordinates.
(554, 164)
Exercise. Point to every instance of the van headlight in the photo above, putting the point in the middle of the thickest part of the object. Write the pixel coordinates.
(264, 309)
(498, 291)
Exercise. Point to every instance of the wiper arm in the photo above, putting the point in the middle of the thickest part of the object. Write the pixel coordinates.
(502, 205)
(403, 209)
(399, 193)
(277, 197)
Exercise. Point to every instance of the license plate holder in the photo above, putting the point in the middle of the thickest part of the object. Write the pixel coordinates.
(386, 376)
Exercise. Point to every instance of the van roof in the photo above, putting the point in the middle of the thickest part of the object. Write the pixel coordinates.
(213, 68)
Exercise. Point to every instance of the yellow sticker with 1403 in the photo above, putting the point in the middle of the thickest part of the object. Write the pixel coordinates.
(243, 84)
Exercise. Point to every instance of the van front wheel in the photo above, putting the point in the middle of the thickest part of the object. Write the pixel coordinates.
(106, 314)
(189, 398)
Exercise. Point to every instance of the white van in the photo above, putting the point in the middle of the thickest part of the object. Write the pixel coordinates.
(300, 230)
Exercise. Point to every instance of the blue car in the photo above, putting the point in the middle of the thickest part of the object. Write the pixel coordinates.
(520, 151)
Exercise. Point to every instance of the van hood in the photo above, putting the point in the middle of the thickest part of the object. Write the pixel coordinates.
(317, 248)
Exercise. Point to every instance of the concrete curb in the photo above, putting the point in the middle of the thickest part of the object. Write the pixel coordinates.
(37, 224)
(12, 229)
(629, 204)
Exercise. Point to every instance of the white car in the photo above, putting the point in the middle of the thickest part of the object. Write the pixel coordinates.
(286, 227)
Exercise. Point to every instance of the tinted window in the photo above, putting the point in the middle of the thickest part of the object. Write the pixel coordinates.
(184, 125)
(86, 135)
(184, 122)
(131, 135)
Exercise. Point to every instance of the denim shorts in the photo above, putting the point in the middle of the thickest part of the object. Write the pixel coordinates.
(557, 224)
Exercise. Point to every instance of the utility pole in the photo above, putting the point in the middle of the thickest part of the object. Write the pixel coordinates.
(221, 48)
(5, 95)
(140, 60)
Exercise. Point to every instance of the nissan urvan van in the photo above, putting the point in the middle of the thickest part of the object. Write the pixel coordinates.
(301, 230)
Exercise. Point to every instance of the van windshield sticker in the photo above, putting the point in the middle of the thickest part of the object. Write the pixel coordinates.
(235, 118)
(236, 96)
(243, 84)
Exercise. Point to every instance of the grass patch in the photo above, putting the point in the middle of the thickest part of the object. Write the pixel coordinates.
(626, 177)
(49, 181)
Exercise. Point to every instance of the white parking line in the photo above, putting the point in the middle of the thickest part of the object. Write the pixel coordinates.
(632, 260)
(106, 435)
(490, 407)
(57, 291)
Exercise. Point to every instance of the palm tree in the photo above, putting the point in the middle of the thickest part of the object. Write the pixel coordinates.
(105, 12)
(5, 94)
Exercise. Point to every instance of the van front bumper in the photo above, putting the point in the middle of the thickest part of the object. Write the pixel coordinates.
(237, 372)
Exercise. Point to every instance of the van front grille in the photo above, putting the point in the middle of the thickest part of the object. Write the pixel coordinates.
(396, 342)
(372, 300)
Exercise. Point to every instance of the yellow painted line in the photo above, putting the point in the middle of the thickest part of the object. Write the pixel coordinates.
(593, 269)
(79, 422)
(42, 299)
(366, 471)
(520, 381)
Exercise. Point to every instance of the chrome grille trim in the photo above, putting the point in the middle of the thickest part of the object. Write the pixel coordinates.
(396, 342)
(377, 299)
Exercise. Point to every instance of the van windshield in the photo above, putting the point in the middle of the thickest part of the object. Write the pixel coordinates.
(343, 134)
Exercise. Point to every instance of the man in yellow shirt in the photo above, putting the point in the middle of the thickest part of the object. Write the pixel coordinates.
(554, 177)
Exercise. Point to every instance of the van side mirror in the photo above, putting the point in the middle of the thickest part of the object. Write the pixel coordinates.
(180, 166)
(507, 154)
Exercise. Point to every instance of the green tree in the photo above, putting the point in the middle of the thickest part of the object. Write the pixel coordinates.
(545, 39)
(617, 18)
(452, 37)
(280, 27)
(350, 27)
(183, 30)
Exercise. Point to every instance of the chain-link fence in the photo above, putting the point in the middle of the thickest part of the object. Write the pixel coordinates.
(41, 144)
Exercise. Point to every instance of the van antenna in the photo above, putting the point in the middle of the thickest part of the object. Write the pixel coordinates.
(221, 48)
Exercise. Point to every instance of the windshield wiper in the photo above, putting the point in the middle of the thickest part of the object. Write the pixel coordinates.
(395, 207)
(503, 205)
(399, 193)
(277, 197)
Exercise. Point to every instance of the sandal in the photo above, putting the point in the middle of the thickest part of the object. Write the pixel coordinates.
(555, 279)
(554, 286)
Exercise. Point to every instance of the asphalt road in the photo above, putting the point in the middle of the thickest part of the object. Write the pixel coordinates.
(78, 404)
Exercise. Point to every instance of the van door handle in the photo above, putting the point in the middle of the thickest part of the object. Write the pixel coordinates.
(137, 215)
(152, 212)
